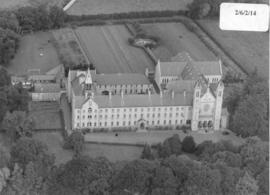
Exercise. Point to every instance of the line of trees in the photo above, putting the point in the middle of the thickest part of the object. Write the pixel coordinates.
(25, 19)
(213, 168)
(248, 106)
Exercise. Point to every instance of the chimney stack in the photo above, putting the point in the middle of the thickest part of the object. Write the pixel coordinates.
(161, 95)
(184, 93)
(149, 93)
(172, 94)
(122, 94)
(110, 95)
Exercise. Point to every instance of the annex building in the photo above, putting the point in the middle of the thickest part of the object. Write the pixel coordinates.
(189, 93)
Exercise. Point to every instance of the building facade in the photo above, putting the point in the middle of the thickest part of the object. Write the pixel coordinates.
(190, 94)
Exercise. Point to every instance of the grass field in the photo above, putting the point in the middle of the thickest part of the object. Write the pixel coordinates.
(94, 7)
(11, 4)
(46, 115)
(107, 47)
(175, 38)
(36, 51)
(114, 153)
(67, 47)
(250, 49)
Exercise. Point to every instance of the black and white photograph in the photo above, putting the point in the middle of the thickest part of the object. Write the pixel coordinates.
(134, 97)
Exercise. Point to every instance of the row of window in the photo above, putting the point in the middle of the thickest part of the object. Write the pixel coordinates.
(119, 86)
(129, 123)
(90, 110)
(135, 116)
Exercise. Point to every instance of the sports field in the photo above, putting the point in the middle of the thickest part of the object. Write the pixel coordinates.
(94, 7)
(175, 38)
(250, 49)
(107, 47)
(36, 51)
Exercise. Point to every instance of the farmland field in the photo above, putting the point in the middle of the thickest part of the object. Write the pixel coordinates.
(250, 49)
(108, 49)
(11, 4)
(94, 7)
(175, 38)
(35, 52)
(67, 47)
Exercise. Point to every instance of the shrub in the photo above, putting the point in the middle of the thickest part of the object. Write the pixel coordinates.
(75, 142)
(188, 144)
(147, 153)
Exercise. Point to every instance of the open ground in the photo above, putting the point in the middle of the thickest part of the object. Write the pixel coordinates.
(175, 38)
(114, 153)
(46, 115)
(108, 49)
(36, 51)
(94, 7)
(250, 49)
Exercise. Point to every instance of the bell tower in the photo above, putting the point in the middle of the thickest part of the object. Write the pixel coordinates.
(196, 106)
(218, 105)
(88, 84)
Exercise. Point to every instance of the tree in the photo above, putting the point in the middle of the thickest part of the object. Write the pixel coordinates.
(147, 153)
(8, 20)
(17, 124)
(263, 182)
(255, 155)
(30, 150)
(9, 43)
(175, 144)
(135, 177)
(82, 175)
(3, 105)
(202, 180)
(4, 176)
(25, 181)
(18, 98)
(229, 158)
(164, 181)
(246, 185)
(250, 118)
(4, 157)
(4, 77)
(75, 141)
(229, 178)
(188, 144)
(57, 16)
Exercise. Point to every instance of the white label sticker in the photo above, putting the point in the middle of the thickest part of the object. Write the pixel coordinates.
(244, 17)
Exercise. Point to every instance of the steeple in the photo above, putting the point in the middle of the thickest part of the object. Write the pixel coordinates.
(88, 78)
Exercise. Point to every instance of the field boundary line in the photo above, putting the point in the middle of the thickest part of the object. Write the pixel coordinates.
(79, 43)
(234, 65)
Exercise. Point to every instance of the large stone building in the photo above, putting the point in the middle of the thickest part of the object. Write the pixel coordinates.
(190, 93)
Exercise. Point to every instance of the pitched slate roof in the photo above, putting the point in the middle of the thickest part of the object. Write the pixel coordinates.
(144, 100)
(183, 65)
(172, 68)
(120, 79)
(46, 88)
(42, 77)
(181, 86)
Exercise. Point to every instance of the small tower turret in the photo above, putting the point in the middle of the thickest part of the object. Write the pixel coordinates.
(196, 106)
(218, 105)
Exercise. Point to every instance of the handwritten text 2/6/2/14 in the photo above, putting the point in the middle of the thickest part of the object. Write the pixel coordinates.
(245, 12)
